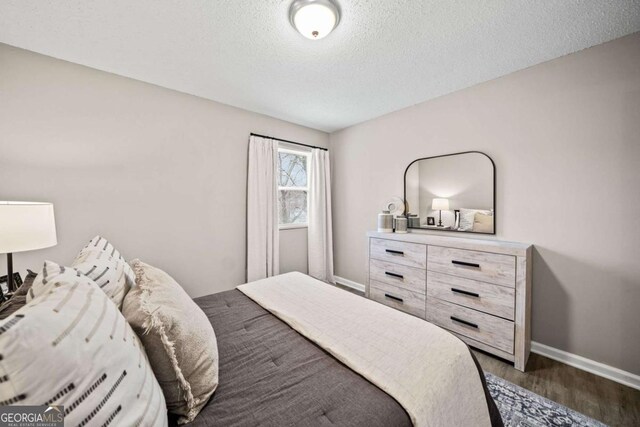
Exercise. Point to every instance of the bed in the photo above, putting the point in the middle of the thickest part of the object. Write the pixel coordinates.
(287, 350)
(272, 374)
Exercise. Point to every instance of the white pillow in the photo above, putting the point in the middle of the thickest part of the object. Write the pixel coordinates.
(467, 217)
(71, 346)
(102, 263)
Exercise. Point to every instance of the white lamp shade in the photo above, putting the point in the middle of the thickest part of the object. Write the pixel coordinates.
(440, 204)
(26, 226)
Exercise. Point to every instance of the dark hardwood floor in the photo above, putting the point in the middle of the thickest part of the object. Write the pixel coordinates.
(599, 398)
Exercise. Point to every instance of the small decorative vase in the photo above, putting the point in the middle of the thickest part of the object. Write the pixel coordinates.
(414, 221)
(385, 222)
(401, 225)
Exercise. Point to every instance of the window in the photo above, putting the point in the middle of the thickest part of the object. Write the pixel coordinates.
(293, 188)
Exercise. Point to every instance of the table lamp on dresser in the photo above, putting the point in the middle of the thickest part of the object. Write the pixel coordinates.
(25, 226)
(440, 205)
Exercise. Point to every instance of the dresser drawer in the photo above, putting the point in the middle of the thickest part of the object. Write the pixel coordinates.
(477, 265)
(409, 254)
(413, 279)
(398, 298)
(490, 330)
(481, 296)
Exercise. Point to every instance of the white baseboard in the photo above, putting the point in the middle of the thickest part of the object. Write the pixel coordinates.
(349, 283)
(597, 368)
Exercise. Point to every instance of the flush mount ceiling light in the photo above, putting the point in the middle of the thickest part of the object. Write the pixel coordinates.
(314, 19)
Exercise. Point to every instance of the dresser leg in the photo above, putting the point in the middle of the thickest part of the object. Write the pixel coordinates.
(520, 363)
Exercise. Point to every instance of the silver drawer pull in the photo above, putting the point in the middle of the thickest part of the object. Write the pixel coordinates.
(466, 264)
(393, 298)
(396, 275)
(391, 251)
(460, 291)
(464, 322)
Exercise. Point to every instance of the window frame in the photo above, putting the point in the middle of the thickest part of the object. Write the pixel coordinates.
(298, 152)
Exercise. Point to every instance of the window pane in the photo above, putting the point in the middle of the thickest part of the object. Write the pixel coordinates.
(292, 206)
(293, 170)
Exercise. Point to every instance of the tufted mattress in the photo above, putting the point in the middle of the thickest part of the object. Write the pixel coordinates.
(272, 376)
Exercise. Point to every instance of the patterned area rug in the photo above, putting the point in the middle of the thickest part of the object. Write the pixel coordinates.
(522, 408)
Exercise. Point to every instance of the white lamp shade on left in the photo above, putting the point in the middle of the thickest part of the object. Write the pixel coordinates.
(26, 226)
(440, 204)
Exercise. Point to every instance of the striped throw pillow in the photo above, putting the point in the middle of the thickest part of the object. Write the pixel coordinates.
(101, 262)
(71, 346)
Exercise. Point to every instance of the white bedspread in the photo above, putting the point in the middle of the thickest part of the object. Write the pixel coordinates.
(426, 369)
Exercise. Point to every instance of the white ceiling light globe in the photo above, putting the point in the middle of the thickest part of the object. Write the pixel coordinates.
(314, 19)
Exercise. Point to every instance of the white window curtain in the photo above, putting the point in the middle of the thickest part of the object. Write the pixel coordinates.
(263, 258)
(320, 227)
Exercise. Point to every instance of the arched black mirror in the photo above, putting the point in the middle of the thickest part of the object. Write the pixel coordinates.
(454, 192)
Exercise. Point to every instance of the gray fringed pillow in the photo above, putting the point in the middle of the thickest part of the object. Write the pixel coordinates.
(483, 223)
(178, 338)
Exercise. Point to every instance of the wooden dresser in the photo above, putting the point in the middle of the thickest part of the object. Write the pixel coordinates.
(480, 290)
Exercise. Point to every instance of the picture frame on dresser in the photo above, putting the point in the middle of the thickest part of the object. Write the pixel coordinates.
(477, 289)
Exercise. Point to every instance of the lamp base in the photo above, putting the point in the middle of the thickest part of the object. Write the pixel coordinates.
(9, 277)
(10, 284)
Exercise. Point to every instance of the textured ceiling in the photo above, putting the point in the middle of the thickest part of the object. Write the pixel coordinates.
(385, 54)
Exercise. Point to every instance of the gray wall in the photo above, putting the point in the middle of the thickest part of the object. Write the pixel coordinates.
(293, 250)
(565, 137)
(160, 173)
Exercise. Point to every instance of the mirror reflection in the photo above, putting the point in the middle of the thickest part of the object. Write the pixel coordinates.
(453, 193)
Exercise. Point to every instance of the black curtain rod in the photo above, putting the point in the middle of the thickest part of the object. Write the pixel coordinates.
(289, 142)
